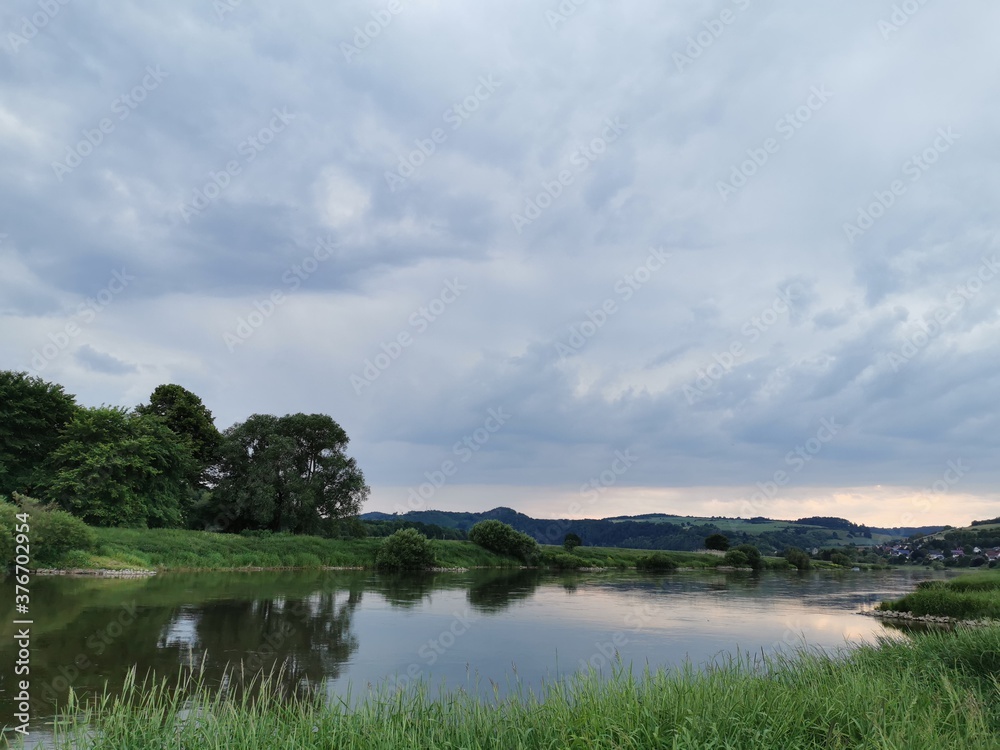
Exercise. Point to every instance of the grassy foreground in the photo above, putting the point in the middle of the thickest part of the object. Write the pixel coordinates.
(971, 596)
(176, 549)
(940, 690)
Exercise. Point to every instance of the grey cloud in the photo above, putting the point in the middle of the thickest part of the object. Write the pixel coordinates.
(101, 362)
(324, 176)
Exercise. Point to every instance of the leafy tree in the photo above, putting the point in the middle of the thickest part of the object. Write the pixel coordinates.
(656, 562)
(799, 558)
(286, 474)
(184, 413)
(737, 559)
(839, 558)
(717, 542)
(754, 558)
(503, 539)
(32, 414)
(571, 542)
(118, 468)
(406, 549)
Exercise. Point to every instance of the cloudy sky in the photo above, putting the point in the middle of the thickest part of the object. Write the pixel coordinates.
(581, 259)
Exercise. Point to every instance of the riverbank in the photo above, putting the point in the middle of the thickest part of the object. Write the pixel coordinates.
(974, 596)
(132, 551)
(934, 691)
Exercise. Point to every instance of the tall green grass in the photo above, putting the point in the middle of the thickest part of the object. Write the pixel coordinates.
(176, 549)
(938, 691)
(972, 596)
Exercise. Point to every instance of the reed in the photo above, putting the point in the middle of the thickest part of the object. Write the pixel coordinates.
(968, 597)
(937, 690)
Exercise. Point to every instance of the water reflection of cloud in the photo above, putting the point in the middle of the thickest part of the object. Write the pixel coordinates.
(181, 632)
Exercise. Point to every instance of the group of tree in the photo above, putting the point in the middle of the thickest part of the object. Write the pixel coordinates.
(165, 464)
(430, 530)
(408, 549)
(640, 533)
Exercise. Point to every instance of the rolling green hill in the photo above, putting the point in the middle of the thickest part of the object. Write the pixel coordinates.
(670, 532)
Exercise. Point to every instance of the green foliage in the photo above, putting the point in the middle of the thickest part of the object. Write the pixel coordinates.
(736, 559)
(350, 527)
(754, 559)
(52, 533)
(839, 558)
(430, 530)
(56, 532)
(799, 558)
(118, 468)
(76, 558)
(8, 532)
(717, 542)
(406, 549)
(571, 541)
(285, 474)
(656, 562)
(501, 538)
(32, 414)
(564, 561)
(185, 414)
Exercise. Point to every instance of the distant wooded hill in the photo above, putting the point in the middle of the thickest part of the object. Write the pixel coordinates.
(662, 531)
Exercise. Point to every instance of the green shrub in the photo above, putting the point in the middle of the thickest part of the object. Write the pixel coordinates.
(406, 549)
(754, 559)
(53, 533)
(565, 561)
(798, 558)
(839, 558)
(736, 559)
(503, 539)
(571, 541)
(56, 532)
(269, 560)
(656, 562)
(8, 522)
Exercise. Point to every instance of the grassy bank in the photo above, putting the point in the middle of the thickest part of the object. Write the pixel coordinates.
(620, 557)
(175, 549)
(971, 596)
(936, 691)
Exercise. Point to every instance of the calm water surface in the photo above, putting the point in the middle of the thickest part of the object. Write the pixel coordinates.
(458, 630)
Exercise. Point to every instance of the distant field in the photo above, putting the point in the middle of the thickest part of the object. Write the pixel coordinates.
(973, 529)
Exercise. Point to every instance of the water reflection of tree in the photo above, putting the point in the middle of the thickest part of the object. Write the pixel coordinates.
(497, 591)
(404, 590)
(90, 635)
(306, 639)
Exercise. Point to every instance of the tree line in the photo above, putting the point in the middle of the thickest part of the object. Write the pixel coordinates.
(638, 534)
(164, 464)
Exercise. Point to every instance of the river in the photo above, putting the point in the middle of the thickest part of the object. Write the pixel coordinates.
(485, 631)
